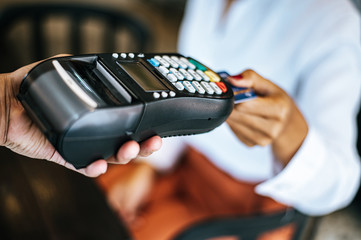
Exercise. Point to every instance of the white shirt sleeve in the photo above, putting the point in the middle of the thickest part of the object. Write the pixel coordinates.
(324, 174)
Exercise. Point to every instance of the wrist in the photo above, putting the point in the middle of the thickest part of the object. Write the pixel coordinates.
(291, 139)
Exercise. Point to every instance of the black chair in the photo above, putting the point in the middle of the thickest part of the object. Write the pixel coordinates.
(247, 228)
(42, 200)
(37, 31)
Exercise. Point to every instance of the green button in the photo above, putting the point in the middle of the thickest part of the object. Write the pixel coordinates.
(198, 65)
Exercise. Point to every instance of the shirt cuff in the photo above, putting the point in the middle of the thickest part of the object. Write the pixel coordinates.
(291, 184)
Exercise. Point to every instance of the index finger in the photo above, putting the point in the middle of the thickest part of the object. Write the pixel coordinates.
(271, 107)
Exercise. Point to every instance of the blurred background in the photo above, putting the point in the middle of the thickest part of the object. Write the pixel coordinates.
(33, 30)
(41, 200)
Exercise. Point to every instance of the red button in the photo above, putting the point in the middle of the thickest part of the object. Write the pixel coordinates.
(222, 86)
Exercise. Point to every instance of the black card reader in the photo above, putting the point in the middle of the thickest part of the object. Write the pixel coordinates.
(89, 105)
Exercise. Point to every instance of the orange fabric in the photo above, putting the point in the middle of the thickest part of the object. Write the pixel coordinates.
(195, 191)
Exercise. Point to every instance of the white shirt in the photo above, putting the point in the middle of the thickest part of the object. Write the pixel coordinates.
(311, 49)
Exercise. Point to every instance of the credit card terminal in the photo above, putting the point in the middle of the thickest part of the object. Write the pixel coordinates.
(88, 105)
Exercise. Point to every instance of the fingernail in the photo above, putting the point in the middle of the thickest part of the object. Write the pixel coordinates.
(146, 154)
(237, 77)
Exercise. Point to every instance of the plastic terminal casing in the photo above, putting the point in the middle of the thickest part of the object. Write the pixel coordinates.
(115, 109)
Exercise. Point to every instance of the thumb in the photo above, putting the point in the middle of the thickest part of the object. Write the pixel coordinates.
(250, 79)
(18, 75)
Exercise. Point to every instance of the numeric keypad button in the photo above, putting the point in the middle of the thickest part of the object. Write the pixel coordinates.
(188, 63)
(181, 64)
(195, 75)
(173, 63)
(162, 61)
(198, 87)
(216, 89)
(204, 76)
(179, 86)
(207, 87)
(163, 70)
(177, 74)
(186, 74)
(189, 87)
(171, 77)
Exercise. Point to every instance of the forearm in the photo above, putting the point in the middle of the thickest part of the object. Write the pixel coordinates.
(291, 138)
(6, 98)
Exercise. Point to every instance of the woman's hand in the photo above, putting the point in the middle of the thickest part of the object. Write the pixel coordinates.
(271, 118)
(19, 133)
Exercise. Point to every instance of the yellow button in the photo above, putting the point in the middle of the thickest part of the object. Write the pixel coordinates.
(213, 76)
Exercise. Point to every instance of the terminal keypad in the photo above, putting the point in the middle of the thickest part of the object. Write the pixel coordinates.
(186, 74)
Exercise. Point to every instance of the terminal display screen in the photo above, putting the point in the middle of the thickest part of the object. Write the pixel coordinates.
(142, 76)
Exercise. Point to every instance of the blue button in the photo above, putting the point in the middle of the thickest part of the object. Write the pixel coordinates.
(154, 62)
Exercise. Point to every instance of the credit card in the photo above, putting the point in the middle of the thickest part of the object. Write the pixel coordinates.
(240, 94)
